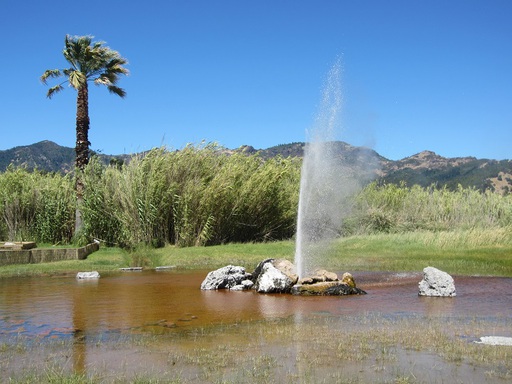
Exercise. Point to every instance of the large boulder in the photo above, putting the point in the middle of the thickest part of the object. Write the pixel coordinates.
(436, 283)
(275, 276)
(225, 278)
(286, 267)
(258, 269)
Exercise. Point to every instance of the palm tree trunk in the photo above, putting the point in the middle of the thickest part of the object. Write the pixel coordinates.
(82, 128)
(81, 149)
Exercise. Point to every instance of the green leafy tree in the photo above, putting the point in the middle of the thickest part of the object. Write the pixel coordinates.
(90, 62)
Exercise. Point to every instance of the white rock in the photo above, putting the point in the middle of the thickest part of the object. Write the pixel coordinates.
(436, 283)
(224, 278)
(272, 279)
(88, 275)
(495, 340)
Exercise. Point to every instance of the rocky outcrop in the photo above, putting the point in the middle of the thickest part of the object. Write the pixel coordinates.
(436, 283)
(225, 278)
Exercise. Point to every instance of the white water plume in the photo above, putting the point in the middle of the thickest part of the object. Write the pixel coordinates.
(325, 181)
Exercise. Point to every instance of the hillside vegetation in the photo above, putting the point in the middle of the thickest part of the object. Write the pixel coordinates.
(201, 196)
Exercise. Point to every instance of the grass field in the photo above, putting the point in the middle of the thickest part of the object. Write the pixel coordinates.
(485, 253)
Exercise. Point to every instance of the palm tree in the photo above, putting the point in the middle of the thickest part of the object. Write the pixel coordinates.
(90, 61)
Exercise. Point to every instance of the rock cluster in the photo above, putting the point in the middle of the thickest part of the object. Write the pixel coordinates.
(436, 283)
(279, 276)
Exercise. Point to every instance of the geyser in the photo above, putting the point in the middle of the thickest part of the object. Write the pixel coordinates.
(325, 181)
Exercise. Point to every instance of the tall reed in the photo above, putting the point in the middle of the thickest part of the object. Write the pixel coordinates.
(195, 196)
(399, 208)
(36, 206)
(205, 195)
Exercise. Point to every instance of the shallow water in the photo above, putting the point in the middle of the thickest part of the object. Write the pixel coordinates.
(150, 301)
(96, 326)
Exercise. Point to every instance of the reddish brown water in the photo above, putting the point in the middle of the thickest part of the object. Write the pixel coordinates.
(162, 301)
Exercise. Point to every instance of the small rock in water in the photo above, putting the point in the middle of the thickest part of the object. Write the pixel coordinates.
(131, 269)
(343, 289)
(88, 275)
(348, 279)
(225, 278)
(495, 340)
(245, 285)
(436, 283)
(165, 267)
(327, 288)
(322, 275)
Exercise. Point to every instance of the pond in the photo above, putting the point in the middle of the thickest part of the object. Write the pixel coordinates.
(160, 323)
(152, 301)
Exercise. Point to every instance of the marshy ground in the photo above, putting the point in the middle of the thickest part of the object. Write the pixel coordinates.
(367, 348)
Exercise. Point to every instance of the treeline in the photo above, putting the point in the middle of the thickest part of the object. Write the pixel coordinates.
(201, 196)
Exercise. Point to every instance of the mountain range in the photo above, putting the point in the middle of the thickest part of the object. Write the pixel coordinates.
(424, 168)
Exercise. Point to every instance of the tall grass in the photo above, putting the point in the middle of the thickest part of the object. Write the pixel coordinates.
(196, 196)
(398, 208)
(202, 196)
(36, 206)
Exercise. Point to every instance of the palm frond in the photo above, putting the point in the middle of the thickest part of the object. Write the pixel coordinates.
(68, 71)
(49, 73)
(103, 79)
(77, 79)
(118, 91)
(54, 90)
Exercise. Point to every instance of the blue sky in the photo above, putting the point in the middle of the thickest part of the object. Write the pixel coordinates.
(417, 75)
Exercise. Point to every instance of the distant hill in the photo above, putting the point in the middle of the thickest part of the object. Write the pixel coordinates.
(425, 168)
(45, 156)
